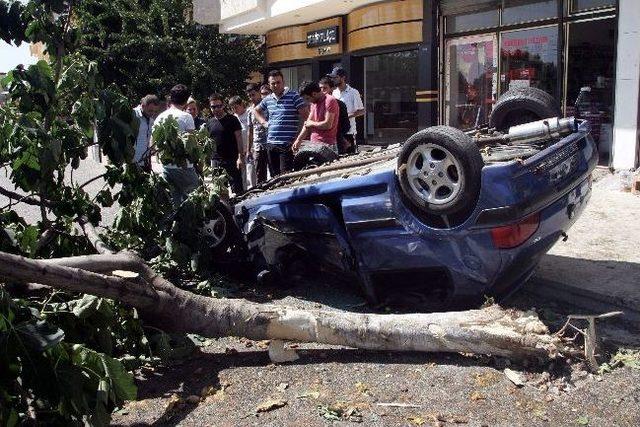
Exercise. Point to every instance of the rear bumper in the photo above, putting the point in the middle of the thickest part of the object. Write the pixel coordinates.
(555, 220)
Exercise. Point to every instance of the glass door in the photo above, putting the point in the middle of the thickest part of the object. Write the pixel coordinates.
(470, 80)
(590, 77)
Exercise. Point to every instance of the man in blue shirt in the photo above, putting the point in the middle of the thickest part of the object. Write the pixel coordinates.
(285, 108)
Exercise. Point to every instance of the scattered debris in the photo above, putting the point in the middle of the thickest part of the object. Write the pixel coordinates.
(514, 377)
(270, 405)
(279, 354)
(173, 403)
(418, 421)
(589, 334)
(583, 421)
(309, 395)
(282, 386)
(340, 412)
(362, 388)
(624, 357)
(398, 405)
(476, 395)
(486, 379)
(438, 419)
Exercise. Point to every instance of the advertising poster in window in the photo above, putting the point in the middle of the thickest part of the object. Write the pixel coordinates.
(471, 80)
(530, 58)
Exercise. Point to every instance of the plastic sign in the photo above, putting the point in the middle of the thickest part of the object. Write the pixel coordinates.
(323, 37)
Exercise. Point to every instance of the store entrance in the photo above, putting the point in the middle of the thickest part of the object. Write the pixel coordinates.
(590, 78)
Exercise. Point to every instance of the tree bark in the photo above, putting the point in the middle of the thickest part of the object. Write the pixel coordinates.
(492, 330)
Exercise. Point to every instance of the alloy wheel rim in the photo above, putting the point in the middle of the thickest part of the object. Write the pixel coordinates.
(434, 174)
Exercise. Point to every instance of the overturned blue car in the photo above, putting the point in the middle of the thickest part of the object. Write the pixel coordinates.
(439, 221)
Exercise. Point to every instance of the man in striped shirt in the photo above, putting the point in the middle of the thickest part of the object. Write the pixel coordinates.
(284, 107)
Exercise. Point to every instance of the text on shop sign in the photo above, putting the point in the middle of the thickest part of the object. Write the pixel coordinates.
(525, 41)
(322, 37)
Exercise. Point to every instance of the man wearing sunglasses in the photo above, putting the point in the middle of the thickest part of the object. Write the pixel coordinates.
(226, 130)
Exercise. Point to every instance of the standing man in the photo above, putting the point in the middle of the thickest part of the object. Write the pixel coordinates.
(282, 107)
(322, 124)
(327, 85)
(194, 110)
(257, 132)
(146, 112)
(242, 114)
(351, 98)
(182, 180)
(226, 131)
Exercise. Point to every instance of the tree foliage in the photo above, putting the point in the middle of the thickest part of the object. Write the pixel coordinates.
(61, 358)
(147, 46)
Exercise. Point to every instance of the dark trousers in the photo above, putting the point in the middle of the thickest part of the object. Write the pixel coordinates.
(235, 177)
(350, 146)
(280, 159)
(260, 161)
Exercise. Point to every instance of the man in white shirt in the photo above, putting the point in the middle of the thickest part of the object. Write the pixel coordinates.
(182, 180)
(145, 113)
(241, 111)
(353, 101)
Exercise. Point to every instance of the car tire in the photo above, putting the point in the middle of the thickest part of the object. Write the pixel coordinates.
(522, 105)
(439, 172)
(220, 233)
(313, 155)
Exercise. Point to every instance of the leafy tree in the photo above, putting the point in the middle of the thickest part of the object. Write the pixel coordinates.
(147, 46)
(71, 375)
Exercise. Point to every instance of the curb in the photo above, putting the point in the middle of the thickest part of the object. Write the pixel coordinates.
(589, 301)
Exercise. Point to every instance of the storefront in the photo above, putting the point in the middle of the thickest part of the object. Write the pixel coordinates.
(379, 46)
(565, 47)
(418, 63)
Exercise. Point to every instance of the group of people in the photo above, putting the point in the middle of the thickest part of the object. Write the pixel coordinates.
(259, 139)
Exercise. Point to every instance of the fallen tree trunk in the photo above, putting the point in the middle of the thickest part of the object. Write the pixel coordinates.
(493, 330)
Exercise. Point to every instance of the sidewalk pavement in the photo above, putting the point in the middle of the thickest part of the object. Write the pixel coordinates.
(598, 268)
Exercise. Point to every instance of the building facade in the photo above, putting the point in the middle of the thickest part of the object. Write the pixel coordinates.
(423, 62)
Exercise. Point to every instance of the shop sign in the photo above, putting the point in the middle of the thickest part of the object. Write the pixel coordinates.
(323, 37)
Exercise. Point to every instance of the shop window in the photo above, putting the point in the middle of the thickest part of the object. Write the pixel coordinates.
(294, 76)
(518, 11)
(530, 58)
(581, 5)
(590, 68)
(471, 80)
(473, 21)
(391, 80)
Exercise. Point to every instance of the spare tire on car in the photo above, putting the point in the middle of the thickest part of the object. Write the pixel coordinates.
(313, 154)
(439, 172)
(522, 105)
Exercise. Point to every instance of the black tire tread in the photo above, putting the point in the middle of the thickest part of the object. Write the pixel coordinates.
(527, 100)
(320, 153)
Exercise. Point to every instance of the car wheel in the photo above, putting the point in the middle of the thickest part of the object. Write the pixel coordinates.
(219, 231)
(439, 172)
(522, 105)
(313, 154)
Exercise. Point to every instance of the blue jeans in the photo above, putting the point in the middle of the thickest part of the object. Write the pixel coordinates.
(182, 181)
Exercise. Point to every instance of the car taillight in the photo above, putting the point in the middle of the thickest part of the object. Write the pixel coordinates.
(513, 235)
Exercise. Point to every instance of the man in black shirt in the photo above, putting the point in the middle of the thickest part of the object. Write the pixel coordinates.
(226, 130)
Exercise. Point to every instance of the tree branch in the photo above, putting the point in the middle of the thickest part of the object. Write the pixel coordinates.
(22, 198)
